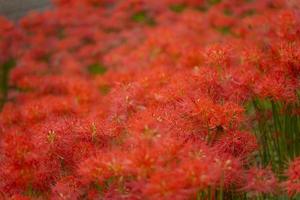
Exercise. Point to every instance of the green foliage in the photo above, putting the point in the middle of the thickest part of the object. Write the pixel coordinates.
(277, 129)
(178, 8)
(224, 30)
(105, 89)
(97, 69)
(4, 76)
(213, 2)
(143, 18)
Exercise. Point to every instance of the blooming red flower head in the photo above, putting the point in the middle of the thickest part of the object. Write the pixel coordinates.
(292, 185)
(261, 181)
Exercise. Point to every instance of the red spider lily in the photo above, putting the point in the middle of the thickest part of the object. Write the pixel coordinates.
(261, 181)
(138, 99)
(66, 188)
(292, 185)
(238, 144)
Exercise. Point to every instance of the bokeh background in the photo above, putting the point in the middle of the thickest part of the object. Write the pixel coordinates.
(14, 9)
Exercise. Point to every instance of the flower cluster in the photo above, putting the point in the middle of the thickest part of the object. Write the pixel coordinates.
(139, 99)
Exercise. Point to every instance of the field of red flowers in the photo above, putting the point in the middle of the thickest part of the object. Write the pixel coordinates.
(152, 100)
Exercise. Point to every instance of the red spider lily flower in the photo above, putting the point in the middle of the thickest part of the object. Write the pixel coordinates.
(238, 144)
(66, 188)
(276, 88)
(19, 197)
(218, 56)
(102, 167)
(292, 185)
(261, 181)
(139, 99)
